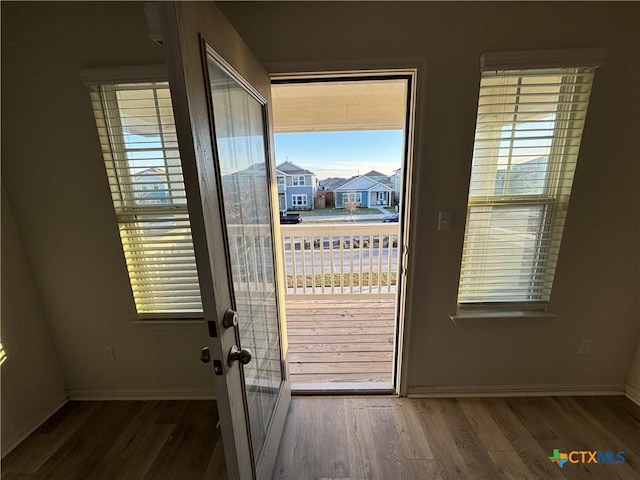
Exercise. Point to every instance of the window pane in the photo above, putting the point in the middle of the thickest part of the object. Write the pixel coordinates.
(528, 133)
(504, 255)
(137, 134)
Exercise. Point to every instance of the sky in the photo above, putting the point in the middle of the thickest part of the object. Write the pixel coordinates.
(341, 154)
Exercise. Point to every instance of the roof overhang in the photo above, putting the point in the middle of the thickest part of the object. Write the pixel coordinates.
(339, 106)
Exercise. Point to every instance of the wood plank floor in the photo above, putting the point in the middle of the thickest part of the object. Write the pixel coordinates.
(340, 341)
(339, 437)
(492, 438)
(115, 440)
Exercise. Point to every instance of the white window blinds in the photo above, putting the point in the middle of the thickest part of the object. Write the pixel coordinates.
(138, 138)
(528, 133)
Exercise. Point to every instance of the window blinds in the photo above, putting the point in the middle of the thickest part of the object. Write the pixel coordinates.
(528, 133)
(138, 138)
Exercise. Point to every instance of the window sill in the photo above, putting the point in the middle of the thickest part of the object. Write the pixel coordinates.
(477, 317)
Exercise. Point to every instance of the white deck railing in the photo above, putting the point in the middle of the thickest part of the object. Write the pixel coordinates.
(337, 259)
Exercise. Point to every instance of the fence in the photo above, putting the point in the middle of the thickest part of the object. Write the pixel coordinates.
(357, 259)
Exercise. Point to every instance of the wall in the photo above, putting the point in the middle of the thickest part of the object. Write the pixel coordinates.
(299, 190)
(32, 379)
(55, 179)
(633, 382)
(596, 286)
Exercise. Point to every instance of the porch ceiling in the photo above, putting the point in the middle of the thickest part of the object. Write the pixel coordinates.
(339, 106)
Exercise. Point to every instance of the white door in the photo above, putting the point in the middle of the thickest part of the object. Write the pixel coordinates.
(221, 99)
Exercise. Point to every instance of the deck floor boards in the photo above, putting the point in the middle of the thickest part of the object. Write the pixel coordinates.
(340, 341)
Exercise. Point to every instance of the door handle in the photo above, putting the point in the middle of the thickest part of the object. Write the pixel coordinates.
(230, 319)
(205, 356)
(241, 355)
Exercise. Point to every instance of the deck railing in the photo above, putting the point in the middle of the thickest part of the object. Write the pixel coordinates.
(337, 259)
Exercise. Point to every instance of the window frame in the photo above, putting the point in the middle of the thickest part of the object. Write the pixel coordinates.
(96, 80)
(357, 197)
(552, 218)
(298, 181)
(297, 196)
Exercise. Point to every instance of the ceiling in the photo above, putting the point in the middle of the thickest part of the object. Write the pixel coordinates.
(339, 106)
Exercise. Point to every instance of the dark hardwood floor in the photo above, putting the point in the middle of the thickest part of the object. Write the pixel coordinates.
(122, 440)
(340, 437)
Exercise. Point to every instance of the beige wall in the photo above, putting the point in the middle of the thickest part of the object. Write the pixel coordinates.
(633, 382)
(596, 287)
(54, 175)
(32, 378)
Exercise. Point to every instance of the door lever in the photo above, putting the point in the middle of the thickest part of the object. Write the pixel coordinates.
(242, 355)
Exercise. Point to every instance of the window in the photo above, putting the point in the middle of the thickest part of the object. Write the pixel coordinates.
(298, 180)
(528, 133)
(138, 138)
(280, 180)
(352, 197)
(299, 200)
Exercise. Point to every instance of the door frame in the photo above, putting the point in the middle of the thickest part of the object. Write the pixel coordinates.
(183, 25)
(416, 68)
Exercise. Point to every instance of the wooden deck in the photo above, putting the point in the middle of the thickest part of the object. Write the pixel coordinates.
(336, 344)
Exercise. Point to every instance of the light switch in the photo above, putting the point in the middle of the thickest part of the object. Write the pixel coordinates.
(444, 221)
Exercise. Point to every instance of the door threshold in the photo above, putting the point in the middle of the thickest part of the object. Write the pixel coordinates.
(347, 388)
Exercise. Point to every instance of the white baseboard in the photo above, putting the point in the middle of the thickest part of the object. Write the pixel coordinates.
(516, 390)
(45, 413)
(144, 394)
(632, 394)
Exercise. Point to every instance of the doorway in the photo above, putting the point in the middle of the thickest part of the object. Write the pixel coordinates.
(342, 157)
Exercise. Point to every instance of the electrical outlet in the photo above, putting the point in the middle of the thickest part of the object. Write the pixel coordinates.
(584, 347)
(109, 354)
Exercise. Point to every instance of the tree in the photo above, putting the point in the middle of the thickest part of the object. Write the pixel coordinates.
(350, 205)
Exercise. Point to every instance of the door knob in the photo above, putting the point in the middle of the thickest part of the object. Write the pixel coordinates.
(242, 355)
(230, 319)
(205, 356)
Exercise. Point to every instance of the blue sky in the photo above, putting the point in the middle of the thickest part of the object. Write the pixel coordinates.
(342, 154)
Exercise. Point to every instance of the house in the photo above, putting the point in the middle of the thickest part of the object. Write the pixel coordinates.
(396, 179)
(377, 176)
(249, 181)
(297, 187)
(65, 291)
(363, 192)
(329, 184)
(151, 186)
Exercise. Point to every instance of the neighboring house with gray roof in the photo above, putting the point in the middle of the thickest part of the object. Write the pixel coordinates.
(364, 192)
(296, 187)
(377, 176)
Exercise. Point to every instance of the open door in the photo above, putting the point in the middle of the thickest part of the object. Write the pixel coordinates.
(221, 98)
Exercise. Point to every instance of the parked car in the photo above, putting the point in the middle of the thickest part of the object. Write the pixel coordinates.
(391, 218)
(289, 218)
